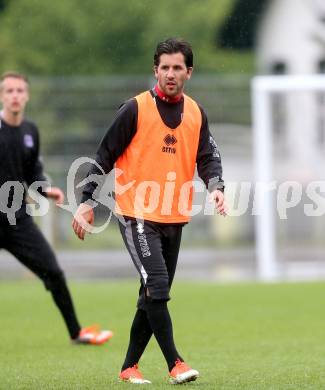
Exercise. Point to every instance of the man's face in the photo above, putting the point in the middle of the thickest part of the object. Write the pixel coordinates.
(14, 95)
(172, 73)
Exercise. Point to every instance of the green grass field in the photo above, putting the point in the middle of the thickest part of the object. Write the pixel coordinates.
(239, 336)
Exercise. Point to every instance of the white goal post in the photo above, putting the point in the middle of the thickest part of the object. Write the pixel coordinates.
(262, 88)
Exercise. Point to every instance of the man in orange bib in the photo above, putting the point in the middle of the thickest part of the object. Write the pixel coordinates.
(154, 143)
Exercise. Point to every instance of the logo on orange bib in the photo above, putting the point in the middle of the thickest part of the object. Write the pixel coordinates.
(169, 141)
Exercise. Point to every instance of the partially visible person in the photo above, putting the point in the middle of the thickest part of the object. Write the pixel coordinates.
(19, 235)
(156, 140)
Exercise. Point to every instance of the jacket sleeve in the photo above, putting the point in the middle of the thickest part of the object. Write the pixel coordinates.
(33, 165)
(208, 158)
(116, 140)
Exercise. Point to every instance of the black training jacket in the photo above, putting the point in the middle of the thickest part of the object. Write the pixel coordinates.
(20, 162)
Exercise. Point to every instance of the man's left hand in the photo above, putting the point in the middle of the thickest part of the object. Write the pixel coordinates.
(218, 197)
(56, 194)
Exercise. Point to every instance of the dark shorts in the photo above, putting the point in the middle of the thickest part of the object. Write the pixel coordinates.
(26, 242)
(154, 249)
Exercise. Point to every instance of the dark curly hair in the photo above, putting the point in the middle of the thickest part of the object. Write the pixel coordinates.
(174, 45)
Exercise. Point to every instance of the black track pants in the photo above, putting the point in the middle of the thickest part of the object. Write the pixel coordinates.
(154, 250)
(25, 241)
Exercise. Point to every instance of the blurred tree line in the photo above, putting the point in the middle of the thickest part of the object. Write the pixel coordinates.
(98, 37)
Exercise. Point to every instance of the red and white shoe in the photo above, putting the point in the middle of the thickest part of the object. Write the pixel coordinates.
(133, 375)
(182, 373)
(93, 335)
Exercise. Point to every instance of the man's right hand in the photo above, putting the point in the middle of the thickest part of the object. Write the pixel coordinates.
(83, 220)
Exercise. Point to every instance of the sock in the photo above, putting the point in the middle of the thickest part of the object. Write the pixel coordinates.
(140, 335)
(62, 298)
(161, 325)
